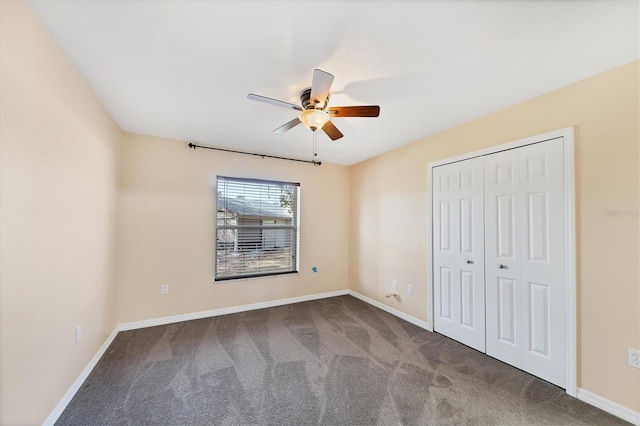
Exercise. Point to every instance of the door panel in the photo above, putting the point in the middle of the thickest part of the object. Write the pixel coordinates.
(506, 233)
(544, 268)
(504, 172)
(458, 226)
(524, 262)
(538, 227)
(502, 254)
(446, 220)
(539, 335)
(466, 226)
(506, 311)
(445, 293)
(466, 299)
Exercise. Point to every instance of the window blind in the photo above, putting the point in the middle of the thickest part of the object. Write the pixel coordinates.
(257, 228)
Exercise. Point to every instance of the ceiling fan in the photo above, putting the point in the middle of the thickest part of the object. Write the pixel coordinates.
(315, 112)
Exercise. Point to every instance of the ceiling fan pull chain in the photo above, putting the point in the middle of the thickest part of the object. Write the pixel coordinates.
(315, 154)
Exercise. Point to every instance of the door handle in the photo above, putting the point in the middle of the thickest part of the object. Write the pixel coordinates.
(503, 267)
(470, 262)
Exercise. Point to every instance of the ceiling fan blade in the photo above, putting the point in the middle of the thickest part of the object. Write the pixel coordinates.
(290, 125)
(355, 111)
(259, 98)
(332, 131)
(320, 86)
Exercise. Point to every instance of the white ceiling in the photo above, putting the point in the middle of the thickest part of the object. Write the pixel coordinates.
(183, 69)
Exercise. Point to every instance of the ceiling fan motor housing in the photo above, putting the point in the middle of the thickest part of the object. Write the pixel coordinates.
(308, 103)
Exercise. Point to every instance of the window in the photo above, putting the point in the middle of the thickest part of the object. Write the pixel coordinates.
(257, 229)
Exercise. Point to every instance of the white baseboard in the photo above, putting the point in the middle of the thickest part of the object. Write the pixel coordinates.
(392, 311)
(66, 399)
(225, 311)
(609, 406)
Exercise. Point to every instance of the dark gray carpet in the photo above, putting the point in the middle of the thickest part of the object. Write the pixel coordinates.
(336, 361)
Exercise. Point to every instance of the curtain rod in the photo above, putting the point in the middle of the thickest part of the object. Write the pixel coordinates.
(194, 146)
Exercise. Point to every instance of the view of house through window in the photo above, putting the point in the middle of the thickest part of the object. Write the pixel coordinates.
(257, 229)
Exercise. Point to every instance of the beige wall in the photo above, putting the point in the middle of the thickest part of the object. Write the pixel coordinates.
(58, 166)
(167, 229)
(389, 216)
(80, 210)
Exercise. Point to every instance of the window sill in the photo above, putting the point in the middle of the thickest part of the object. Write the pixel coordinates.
(252, 277)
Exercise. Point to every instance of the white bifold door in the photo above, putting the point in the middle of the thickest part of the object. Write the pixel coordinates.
(514, 237)
(524, 263)
(459, 252)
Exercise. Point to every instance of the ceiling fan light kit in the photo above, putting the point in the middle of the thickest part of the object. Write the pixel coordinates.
(314, 113)
(314, 119)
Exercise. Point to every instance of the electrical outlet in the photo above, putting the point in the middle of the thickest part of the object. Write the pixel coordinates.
(78, 334)
(164, 289)
(410, 289)
(634, 358)
(394, 285)
(314, 271)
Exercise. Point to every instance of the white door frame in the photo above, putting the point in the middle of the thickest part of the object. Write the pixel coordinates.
(565, 135)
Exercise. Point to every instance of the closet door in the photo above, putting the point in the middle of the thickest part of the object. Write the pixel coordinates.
(524, 260)
(458, 252)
